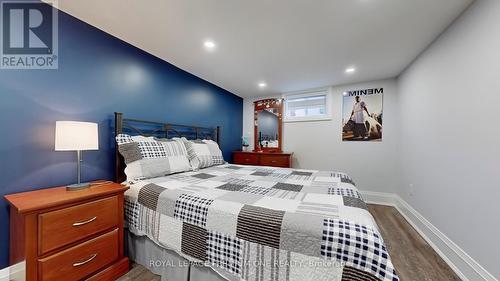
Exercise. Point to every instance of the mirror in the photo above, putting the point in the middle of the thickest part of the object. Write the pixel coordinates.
(268, 124)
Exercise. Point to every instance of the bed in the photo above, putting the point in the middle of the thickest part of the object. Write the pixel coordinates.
(234, 222)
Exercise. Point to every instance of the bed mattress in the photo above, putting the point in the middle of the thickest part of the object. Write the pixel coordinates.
(262, 223)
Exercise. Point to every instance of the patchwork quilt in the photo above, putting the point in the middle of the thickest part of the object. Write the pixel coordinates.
(262, 223)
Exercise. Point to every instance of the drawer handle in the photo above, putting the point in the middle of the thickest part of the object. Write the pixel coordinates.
(274, 161)
(86, 261)
(84, 222)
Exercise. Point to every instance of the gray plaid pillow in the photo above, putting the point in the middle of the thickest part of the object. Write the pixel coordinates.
(203, 153)
(147, 157)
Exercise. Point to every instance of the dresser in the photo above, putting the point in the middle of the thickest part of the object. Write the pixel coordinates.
(274, 159)
(69, 235)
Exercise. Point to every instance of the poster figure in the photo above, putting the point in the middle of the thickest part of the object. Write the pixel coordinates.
(362, 115)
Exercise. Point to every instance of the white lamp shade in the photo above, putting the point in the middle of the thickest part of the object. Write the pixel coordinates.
(72, 135)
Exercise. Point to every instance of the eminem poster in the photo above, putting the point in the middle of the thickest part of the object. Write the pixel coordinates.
(362, 115)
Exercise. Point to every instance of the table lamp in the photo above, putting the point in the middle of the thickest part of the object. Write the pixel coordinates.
(76, 136)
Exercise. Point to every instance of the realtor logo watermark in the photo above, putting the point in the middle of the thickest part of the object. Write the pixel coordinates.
(29, 35)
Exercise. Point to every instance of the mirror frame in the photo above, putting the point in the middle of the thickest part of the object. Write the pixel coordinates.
(260, 105)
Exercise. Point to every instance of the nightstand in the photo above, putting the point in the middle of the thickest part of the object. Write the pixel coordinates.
(69, 235)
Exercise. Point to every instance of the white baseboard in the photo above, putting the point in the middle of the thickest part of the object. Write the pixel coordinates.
(458, 260)
(15, 272)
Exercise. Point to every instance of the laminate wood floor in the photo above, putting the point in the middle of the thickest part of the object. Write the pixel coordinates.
(413, 258)
(139, 273)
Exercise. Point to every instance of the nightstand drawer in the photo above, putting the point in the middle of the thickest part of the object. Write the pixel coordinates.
(246, 159)
(82, 260)
(275, 160)
(61, 227)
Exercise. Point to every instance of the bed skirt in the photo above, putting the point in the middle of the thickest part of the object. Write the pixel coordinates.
(166, 263)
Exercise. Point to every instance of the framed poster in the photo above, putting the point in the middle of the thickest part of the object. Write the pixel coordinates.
(362, 115)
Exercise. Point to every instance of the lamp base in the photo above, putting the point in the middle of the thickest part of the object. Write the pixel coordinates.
(77, 186)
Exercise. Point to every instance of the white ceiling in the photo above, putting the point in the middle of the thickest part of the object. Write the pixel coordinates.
(290, 44)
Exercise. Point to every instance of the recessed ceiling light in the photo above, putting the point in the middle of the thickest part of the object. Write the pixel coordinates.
(210, 45)
(350, 70)
(262, 84)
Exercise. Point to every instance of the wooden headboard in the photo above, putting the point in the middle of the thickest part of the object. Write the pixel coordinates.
(136, 127)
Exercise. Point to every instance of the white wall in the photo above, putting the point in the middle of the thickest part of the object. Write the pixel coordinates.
(318, 144)
(441, 136)
(449, 102)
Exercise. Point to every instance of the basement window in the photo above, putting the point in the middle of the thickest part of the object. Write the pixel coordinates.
(307, 106)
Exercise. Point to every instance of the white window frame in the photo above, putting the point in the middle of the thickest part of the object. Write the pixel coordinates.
(305, 94)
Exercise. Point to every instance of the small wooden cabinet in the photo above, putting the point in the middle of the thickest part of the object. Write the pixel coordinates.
(273, 159)
(69, 235)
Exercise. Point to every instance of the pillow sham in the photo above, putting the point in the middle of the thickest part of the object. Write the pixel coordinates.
(147, 157)
(203, 153)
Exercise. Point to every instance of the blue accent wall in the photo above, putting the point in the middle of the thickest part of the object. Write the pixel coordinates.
(98, 74)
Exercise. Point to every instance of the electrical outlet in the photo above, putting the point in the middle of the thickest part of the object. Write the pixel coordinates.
(412, 189)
